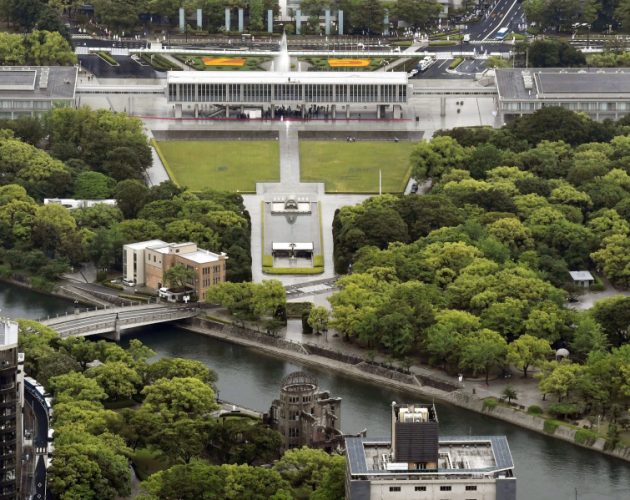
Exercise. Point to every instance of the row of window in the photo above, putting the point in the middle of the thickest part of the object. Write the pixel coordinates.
(424, 488)
(592, 106)
(264, 92)
(19, 104)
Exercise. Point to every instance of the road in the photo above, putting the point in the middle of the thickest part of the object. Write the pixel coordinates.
(501, 13)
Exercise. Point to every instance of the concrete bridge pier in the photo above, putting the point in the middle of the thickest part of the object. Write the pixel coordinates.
(442, 106)
(115, 335)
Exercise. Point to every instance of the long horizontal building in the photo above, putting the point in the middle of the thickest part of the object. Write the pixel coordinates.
(306, 92)
(600, 93)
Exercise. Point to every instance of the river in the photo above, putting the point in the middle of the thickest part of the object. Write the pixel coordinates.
(546, 468)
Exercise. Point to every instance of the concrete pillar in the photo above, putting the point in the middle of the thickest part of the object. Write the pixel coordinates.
(340, 22)
(327, 21)
(182, 20)
(228, 18)
(442, 106)
(270, 21)
(303, 110)
(199, 18)
(386, 23)
(178, 110)
(227, 111)
(378, 111)
(298, 22)
(397, 111)
(273, 111)
(196, 110)
(347, 111)
(333, 111)
(240, 21)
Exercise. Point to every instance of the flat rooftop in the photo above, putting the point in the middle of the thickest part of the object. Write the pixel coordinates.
(201, 256)
(38, 82)
(457, 455)
(563, 83)
(141, 245)
(311, 77)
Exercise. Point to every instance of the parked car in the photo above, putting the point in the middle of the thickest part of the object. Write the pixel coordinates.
(127, 282)
(414, 187)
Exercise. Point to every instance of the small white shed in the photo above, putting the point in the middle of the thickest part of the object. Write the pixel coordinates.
(582, 278)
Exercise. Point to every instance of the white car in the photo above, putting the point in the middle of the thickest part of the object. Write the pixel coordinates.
(412, 73)
(127, 282)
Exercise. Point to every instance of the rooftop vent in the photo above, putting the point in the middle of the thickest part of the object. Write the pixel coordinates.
(43, 78)
(528, 81)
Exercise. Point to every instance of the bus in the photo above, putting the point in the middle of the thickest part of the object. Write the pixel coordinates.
(502, 33)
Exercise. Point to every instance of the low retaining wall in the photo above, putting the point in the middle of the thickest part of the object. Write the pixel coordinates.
(216, 135)
(360, 135)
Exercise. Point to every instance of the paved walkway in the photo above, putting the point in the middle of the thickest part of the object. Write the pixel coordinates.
(156, 173)
(408, 52)
(289, 158)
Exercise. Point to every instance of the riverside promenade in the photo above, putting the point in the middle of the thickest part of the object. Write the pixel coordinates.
(415, 382)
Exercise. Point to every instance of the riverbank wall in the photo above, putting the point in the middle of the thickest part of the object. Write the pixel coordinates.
(359, 368)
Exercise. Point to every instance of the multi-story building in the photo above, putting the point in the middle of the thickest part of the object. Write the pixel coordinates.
(416, 462)
(306, 416)
(11, 389)
(600, 93)
(144, 264)
(34, 90)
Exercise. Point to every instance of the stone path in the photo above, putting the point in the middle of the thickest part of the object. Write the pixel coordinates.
(289, 158)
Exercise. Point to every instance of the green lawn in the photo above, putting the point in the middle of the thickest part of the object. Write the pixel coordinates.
(352, 167)
(221, 165)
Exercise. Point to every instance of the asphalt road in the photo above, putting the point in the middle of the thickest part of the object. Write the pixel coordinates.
(501, 13)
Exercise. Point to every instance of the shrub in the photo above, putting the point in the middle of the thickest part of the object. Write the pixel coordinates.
(562, 409)
(318, 261)
(551, 426)
(583, 436)
(296, 309)
(267, 261)
(106, 56)
(456, 62)
(101, 276)
(535, 410)
(490, 404)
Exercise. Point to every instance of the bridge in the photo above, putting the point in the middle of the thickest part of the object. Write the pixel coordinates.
(113, 321)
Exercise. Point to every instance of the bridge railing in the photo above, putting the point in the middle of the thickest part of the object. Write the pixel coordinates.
(110, 325)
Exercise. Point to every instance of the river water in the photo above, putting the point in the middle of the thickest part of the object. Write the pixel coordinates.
(546, 468)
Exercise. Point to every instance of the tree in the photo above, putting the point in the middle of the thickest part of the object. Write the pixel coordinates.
(613, 314)
(268, 297)
(202, 481)
(318, 318)
(432, 159)
(179, 277)
(176, 398)
(75, 386)
(45, 48)
(551, 53)
(305, 469)
(255, 15)
(88, 468)
(561, 379)
(417, 14)
(483, 351)
(588, 337)
(509, 393)
(93, 186)
(614, 258)
(170, 368)
(528, 351)
(130, 197)
(117, 379)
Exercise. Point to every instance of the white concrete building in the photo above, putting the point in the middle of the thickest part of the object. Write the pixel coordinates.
(134, 258)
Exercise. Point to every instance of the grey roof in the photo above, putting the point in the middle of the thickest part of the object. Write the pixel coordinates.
(38, 82)
(581, 276)
(564, 83)
(355, 453)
